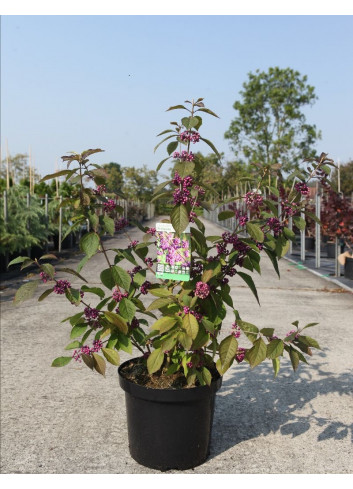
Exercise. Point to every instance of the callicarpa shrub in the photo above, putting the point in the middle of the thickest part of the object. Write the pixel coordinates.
(177, 326)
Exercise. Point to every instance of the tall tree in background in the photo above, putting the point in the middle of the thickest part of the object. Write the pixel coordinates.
(270, 126)
(114, 182)
(139, 183)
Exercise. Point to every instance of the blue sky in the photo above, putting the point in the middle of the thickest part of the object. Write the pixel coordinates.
(79, 82)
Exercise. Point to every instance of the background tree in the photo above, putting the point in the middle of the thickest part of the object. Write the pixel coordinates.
(139, 183)
(270, 126)
(114, 182)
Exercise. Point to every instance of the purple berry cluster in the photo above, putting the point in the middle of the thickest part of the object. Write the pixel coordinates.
(192, 136)
(133, 244)
(202, 290)
(109, 206)
(91, 313)
(45, 277)
(149, 262)
(61, 286)
(291, 332)
(236, 331)
(253, 200)
(302, 188)
(145, 287)
(118, 296)
(135, 323)
(100, 190)
(184, 155)
(121, 224)
(240, 355)
(275, 225)
(151, 231)
(86, 350)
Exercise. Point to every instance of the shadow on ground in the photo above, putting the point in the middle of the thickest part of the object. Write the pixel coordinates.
(251, 403)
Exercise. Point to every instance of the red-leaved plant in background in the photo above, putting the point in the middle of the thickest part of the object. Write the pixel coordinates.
(180, 331)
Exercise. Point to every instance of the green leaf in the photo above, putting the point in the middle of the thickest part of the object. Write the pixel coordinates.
(99, 363)
(55, 175)
(45, 294)
(211, 145)
(19, 259)
(294, 357)
(184, 168)
(185, 340)
(71, 272)
(117, 320)
(273, 257)
(257, 353)
(274, 349)
(161, 163)
(206, 375)
(78, 331)
(161, 186)
(172, 147)
(165, 139)
(177, 107)
(121, 277)
(276, 365)
(158, 303)
(208, 111)
(309, 341)
(255, 231)
(250, 330)
(155, 361)
(48, 269)
(89, 244)
(61, 361)
(26, 291)
(227, 351)
(111, 355)
(190, 122)
(93, 290)
(267, 331)
(160, 292)
(179, 218)
(73, 295)
(190, 325)
(289, 234)
(73, 345)
(274, 191)
(299, 222)
(74, 319)
(106, 278)
(222, 216)
(163, 324)
(109, 225)
(310, 325)
(127, 309)
(249, 281)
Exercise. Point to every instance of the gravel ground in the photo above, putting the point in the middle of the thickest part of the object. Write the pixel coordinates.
(72, 421)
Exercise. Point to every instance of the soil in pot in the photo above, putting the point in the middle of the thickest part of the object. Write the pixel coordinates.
(169, 427)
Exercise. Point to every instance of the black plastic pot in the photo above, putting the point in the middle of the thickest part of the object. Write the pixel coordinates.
(348, 268)
(309, 243)
(169, 428)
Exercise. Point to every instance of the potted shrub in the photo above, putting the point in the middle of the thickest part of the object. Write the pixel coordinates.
(176, 325)
(336, 220)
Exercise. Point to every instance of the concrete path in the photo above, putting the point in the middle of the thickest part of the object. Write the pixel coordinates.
(70, 420)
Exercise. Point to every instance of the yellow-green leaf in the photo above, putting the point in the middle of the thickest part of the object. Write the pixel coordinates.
(111, 355)
(99, 364)
(190, 325)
